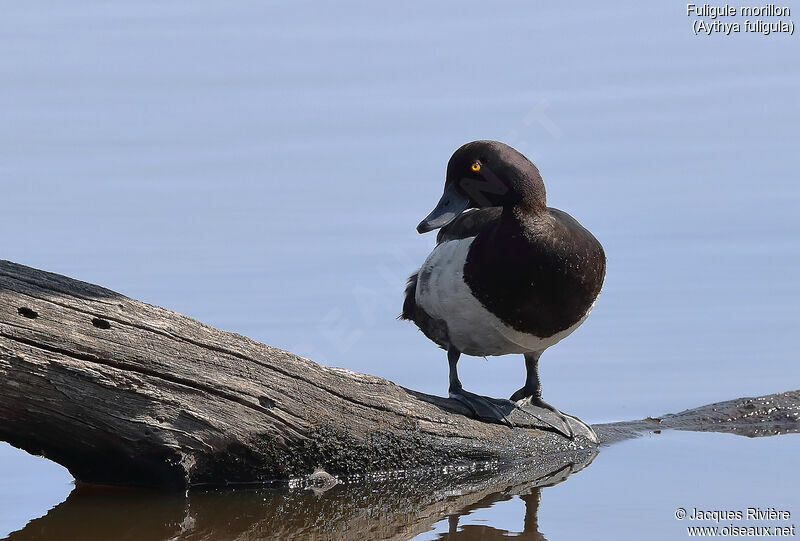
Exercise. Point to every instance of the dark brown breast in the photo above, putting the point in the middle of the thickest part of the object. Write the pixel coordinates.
(539, 275)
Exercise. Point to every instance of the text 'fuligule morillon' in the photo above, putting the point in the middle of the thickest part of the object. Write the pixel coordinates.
(707, 10)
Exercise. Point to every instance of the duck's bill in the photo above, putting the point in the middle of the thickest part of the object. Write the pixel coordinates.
(450, 205)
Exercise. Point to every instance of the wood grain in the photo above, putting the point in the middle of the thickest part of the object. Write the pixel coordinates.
(123, 392)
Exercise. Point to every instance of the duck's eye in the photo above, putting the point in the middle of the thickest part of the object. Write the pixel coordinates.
(476, 166)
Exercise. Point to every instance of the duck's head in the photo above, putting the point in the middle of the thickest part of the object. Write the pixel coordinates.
(486, 174)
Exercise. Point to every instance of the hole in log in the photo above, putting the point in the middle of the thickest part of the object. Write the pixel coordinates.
(266, 402)
(27, 312)
(101, 323)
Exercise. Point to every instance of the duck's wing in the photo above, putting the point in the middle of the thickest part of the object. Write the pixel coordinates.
(469, 223)
(433, 328)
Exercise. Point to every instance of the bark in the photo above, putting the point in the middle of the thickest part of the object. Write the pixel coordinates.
(122, 392)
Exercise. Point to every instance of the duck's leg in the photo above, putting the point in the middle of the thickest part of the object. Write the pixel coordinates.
(531, 395)
(452, 359)
(480, 406)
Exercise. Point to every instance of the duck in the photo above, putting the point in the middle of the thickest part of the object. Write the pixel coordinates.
(508, 274)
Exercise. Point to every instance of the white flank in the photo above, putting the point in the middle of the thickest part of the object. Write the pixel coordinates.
(442, 293)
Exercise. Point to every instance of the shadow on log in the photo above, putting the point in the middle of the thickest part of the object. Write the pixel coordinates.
(122, 392)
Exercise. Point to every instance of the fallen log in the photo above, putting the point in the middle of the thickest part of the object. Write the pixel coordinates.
(122, 392)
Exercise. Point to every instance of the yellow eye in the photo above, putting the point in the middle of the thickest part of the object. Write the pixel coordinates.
(476, 166)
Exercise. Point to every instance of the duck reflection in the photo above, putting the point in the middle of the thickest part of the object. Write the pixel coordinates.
(354, 510)
(470, 532)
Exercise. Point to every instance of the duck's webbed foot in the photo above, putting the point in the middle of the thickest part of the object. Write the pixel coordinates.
(529, 400)
(482, 407)
(547, 414)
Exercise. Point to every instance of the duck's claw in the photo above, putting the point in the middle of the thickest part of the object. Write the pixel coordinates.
(482, 407)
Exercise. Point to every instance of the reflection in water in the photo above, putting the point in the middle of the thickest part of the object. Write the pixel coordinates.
(470, 532)
(389, 506)
(357, 510)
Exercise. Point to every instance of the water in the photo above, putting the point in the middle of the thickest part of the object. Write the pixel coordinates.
(631, 490)
(261, 167)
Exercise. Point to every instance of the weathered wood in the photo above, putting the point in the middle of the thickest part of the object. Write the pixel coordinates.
(122, 392)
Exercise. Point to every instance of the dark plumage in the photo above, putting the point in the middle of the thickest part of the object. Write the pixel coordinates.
(540, 282)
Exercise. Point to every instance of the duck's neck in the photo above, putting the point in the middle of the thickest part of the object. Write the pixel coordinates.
(532, 196)
(523, 217)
